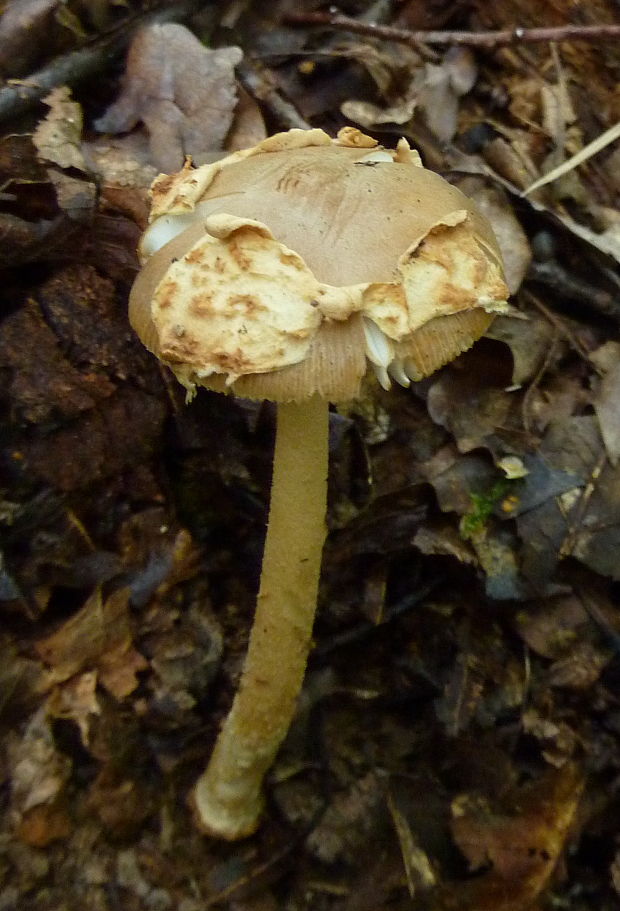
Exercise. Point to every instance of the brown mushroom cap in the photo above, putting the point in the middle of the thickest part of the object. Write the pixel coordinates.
(368, 232)
(349, 221)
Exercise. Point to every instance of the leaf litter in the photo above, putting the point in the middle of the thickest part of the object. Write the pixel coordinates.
(458, 743)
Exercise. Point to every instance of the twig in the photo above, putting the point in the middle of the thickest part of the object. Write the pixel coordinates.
(260, 84)
(549, 359)
(593, 148)
(578, 513)
(561, 329)
(69, 69)
(470, 39)
(567, 285)
(598, 617)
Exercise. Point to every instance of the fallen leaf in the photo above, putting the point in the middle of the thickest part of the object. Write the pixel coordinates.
(370, 115)
(606, 397)
(595, 523)
(581, 667)
(24, 31)
(44, 824)
(512, 239)
(466, 400)
(58, 142)
(99, 635)
(441, 88)
(418, 867)
(76, 700)
(38, 771)
(522, 843)
(118, 669)
(552, 629)
(248, 126)
(183, 92)
(122, 162)
(528, 340)
(58, 136)
(348, 820)
(558, 741)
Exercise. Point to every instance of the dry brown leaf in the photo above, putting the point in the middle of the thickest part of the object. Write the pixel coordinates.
(493, 202)
(528, 339)
(468, 406)
(58, 142)
(442, 87)
(44, 824)
(57, 138)
(594, 523)
(349, 819)
(24, 31)
(558, 741)
(552, 629)
(38, 771)
(371, 115)
(524, 842)
(442, 538)
(434, 89)
(118, 668)
(123, 162)
(606, 398)
(418, 866)
(99, 635)
(76, 700)
(581, 667)
(248, 126)
(184, 93)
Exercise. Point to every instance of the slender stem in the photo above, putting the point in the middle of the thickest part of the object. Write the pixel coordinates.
(517, 35)
(228, 796)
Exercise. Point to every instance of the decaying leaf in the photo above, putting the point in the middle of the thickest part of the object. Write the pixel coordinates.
(348, 820)
(469, 406)
(442, 87)
(607, 396)
(184, 93)
(521, 844)
(551, 631)
(58, 142)
(122, 162)
(434, 89)
(38, 770)
(610, 135)
(594, 527)
(24, 31)
(57, 137)
(528, 340)
(370, 115)
(418, 867)
(98, 635)
(512, 240)
(76, 700)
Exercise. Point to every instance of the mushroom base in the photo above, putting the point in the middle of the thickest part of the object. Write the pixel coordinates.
(228, 796)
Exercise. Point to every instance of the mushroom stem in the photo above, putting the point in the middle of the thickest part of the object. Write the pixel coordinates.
(228, 795)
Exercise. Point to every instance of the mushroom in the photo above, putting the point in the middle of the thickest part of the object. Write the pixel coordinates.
(280, 272)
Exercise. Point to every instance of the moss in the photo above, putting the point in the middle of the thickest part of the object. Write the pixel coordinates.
(482, 506)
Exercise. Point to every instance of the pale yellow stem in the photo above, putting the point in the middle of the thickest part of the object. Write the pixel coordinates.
(228, 795)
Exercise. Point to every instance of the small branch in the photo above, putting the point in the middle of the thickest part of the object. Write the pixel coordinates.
(260, 84)
(470, 39)
(566, 285)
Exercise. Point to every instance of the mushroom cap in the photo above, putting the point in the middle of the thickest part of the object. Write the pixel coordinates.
(295, 257)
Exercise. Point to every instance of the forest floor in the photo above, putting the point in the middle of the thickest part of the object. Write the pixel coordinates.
(457, 745)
